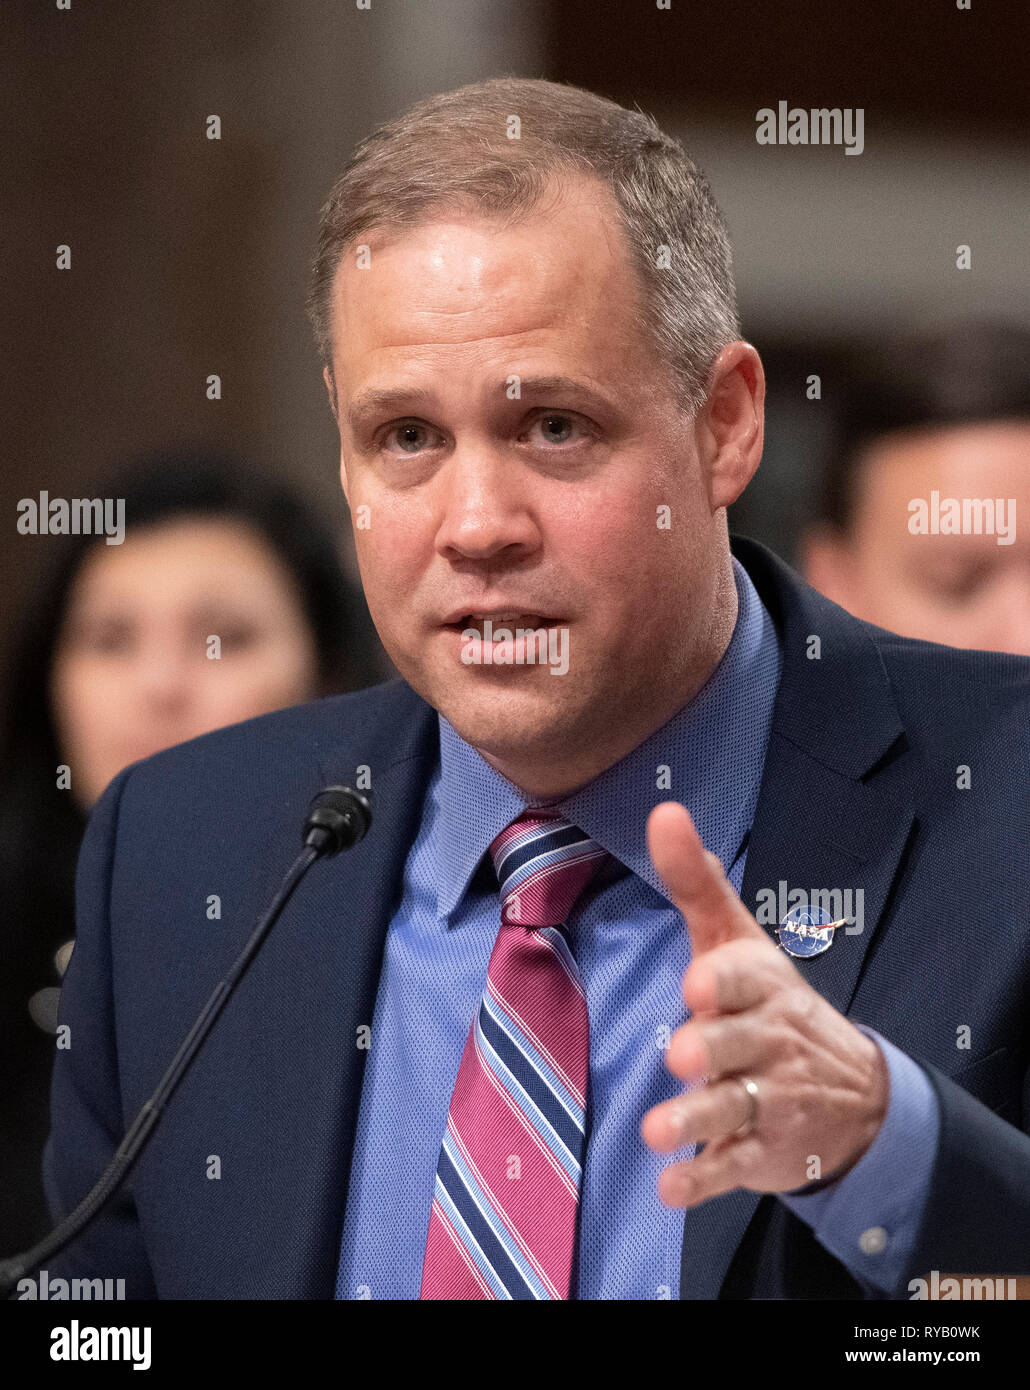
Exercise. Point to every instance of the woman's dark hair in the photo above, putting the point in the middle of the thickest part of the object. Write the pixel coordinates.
(40, 826)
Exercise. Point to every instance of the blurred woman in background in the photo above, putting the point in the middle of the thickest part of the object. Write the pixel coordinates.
(225, 600)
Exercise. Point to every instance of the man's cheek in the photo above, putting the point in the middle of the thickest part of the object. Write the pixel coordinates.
(635, 559)
(382, 552)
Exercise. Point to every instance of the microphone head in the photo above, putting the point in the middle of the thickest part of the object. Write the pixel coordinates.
(337, 818)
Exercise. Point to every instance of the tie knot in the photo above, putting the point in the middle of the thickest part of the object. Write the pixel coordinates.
(543, 864)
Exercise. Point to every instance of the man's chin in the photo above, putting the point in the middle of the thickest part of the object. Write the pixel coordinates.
(503, 718)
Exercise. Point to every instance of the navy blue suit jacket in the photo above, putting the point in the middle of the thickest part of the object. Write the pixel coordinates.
(859, 789)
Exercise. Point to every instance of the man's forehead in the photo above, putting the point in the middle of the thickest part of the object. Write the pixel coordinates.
(451, 284)
(571, 236)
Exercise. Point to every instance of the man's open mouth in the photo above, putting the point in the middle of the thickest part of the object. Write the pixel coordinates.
(511, 621)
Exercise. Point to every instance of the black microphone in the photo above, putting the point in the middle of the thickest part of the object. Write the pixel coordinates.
(337, 818)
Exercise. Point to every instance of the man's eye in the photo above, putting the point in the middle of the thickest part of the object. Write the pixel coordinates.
(556, 428)
(411, 437)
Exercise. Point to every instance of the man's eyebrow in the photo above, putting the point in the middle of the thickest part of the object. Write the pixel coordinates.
(384, 401)
(399, 400)
(563, 386)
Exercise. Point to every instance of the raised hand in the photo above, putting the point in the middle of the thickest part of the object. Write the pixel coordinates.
(820, 1086)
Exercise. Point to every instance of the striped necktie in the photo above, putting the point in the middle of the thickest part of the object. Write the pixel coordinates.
(504, 1216)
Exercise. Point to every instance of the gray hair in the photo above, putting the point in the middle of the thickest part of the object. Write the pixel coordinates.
(454, 150)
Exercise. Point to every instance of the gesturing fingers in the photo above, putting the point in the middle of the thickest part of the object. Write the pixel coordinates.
(713, 1112)
(735, 976)
(695, 880)
(718, 1047)
(723, 1166)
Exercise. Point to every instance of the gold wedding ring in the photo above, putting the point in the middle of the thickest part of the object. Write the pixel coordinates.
(751, 1090)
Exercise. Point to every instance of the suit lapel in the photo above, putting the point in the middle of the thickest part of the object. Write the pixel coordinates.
(328, 945)
(826, 819)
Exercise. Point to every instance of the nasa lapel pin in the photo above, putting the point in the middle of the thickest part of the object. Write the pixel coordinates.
(807, 931)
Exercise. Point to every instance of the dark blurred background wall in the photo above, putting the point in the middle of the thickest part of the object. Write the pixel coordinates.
(189, 256)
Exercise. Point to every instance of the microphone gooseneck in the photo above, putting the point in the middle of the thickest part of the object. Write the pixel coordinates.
(338, 817)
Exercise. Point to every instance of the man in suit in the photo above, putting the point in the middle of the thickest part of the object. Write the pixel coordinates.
(465, 1051)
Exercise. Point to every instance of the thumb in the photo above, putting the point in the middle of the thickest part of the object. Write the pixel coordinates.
(695, 880)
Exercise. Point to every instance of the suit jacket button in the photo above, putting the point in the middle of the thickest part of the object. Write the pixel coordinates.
(873, 1241)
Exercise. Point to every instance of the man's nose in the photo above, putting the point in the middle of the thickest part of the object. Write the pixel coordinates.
(486, 505)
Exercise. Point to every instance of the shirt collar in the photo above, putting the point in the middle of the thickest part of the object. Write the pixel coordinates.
(708, 756)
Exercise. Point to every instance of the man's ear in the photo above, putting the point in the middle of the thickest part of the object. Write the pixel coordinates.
(330, 386)
(732, 422)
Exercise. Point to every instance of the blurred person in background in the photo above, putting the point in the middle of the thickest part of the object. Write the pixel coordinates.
(946, 413)
(114, 663)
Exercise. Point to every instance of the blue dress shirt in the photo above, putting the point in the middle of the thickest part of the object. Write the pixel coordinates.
(632, 949)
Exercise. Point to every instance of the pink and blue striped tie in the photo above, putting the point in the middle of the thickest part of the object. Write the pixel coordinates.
(504, 1215)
